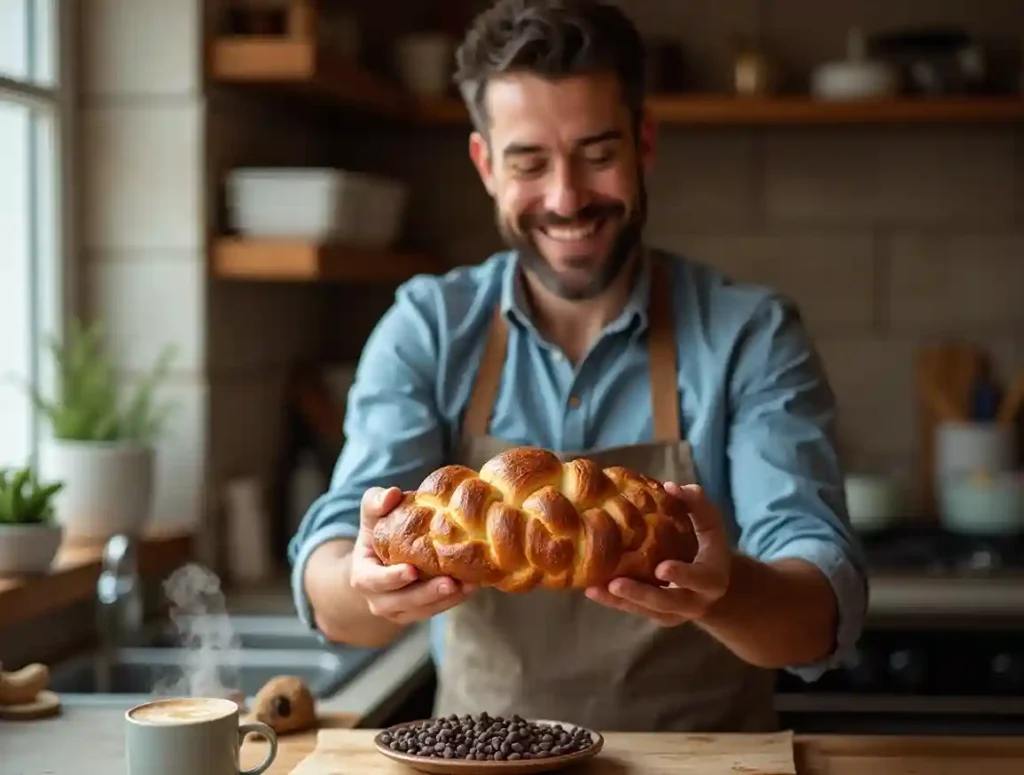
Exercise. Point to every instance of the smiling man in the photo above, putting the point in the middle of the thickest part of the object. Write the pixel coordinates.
(585, 340)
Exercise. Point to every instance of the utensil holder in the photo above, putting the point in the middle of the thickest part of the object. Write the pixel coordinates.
(973, 447)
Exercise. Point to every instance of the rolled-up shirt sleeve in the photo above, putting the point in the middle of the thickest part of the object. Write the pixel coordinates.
(393, 432)
(786, 478)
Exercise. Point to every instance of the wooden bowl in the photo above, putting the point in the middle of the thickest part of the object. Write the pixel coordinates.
(475, 767)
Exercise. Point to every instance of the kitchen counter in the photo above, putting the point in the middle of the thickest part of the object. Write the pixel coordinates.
(904, 599)
(814, 755)
(947, 595)
(393, 676)
(28, 749)
(389, 679)
(89, 741)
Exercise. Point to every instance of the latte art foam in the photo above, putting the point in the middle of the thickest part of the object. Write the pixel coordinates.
(183, 711)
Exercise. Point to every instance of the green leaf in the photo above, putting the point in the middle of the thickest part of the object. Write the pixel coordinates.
(24, 500)
(90, 403)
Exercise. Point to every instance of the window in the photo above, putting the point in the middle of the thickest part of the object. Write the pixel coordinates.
(35, 112)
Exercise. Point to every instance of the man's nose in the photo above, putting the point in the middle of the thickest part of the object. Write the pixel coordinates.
(565, 194)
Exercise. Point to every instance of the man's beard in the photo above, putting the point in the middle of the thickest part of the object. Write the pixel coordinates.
(623, 246)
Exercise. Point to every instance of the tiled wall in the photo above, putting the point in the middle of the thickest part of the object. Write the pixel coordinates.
(155, 142)
(885, 236)
(142, 123)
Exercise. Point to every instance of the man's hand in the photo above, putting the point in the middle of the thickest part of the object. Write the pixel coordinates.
(692, 588)
(393, 592)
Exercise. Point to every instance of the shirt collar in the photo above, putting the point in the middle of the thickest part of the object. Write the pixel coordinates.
(515, 309)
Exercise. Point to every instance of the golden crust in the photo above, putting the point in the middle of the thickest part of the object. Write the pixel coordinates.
(527, 521)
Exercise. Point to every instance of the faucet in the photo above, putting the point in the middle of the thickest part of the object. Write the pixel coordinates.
(119, 600)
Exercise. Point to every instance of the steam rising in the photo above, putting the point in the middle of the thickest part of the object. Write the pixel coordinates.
(203, 628)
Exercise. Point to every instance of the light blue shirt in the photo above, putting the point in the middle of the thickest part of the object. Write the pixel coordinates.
(755, 405)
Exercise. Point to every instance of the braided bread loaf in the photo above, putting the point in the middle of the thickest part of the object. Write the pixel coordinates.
(527, 520)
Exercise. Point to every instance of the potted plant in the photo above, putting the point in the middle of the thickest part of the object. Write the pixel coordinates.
(29, 536)
(103, 438)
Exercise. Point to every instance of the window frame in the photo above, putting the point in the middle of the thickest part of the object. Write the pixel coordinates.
(56, 292)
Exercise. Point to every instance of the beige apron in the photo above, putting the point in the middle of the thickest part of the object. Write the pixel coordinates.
(558, 655)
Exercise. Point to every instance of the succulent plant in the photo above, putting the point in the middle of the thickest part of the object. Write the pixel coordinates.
(91, 403)
(24, 500)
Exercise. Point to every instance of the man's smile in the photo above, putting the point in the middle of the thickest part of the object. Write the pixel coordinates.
(580, 236)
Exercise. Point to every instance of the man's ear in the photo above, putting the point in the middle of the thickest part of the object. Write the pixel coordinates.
(480, 153)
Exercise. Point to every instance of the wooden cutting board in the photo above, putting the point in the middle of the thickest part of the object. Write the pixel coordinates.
(347, 751)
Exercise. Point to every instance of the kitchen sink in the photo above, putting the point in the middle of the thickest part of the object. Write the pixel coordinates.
(136, 674)
(251, 631)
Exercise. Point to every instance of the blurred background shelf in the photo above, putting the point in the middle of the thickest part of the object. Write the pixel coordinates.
(682, 110)
(284, 260)
(305, 69)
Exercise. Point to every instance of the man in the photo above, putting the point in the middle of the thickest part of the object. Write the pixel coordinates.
(582, 340)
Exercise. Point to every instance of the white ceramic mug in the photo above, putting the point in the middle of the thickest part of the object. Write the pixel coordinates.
(194, 735)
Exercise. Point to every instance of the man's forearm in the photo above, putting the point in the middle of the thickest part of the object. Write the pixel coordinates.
(340, 612)
(775, 614)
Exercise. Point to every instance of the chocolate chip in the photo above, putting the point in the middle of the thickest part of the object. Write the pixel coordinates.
(281, 706)
(486, 738)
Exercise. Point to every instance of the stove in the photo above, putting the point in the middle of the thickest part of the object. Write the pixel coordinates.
(935, 552)
(945, 674)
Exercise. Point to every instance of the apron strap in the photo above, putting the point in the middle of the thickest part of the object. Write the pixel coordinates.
(488, 378)
(662, 354)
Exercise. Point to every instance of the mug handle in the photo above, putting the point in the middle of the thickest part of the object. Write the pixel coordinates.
(258, 727)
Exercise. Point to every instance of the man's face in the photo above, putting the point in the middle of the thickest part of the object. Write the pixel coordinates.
(566, 173)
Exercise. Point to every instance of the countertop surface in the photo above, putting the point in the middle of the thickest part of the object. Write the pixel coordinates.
(55, 746)
(90, 741)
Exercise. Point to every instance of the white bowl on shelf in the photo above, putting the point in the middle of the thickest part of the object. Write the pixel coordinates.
(316, 204)
(838, 81)
(857, 77)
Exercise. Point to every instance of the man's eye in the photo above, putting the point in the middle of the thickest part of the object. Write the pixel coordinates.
(529, 168)
(600, 158)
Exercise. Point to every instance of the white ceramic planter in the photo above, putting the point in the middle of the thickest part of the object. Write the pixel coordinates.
(26, 549)
(108, 486)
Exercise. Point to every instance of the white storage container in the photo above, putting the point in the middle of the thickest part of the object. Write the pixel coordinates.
(319, 204)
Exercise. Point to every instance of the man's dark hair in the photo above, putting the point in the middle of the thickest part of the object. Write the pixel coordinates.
(552, 39)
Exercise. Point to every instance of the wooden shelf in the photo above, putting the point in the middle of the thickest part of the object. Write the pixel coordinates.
(300, 66)
(74, 574)
(282, 260)
(696, 110)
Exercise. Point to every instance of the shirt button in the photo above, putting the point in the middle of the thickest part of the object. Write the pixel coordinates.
(574, 402)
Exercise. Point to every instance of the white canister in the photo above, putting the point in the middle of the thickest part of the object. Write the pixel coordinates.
(249, 557)
(974, 447)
